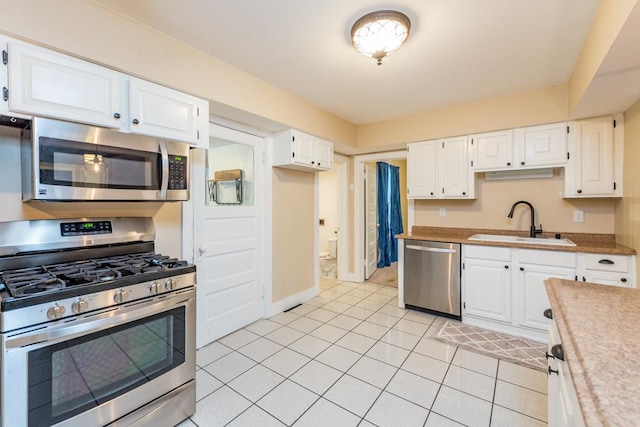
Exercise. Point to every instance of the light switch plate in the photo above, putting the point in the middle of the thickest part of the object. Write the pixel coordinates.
(578, 215)
(443, 212)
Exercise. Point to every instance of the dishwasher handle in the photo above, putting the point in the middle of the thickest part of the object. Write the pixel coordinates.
(427, 249)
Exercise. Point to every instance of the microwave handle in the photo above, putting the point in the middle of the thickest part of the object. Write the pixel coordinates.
(164, 184)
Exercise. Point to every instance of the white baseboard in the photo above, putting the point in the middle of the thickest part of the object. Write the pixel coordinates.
(293, 300)
(351, 277)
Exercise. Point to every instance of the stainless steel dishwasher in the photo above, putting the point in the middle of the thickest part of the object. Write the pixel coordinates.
(432, 277)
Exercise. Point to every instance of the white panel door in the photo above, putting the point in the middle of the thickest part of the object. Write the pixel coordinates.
(228, 237)
(371, 220)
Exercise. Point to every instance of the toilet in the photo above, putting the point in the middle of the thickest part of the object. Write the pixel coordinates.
(328, 264)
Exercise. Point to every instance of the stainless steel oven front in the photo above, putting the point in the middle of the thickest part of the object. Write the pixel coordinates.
(132, 364)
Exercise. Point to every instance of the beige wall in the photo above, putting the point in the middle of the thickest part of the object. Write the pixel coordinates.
(167, 217)
(293, 232)
(494, 199)
(531, 108)
(608, 22)
(92, 31)
(628, 210)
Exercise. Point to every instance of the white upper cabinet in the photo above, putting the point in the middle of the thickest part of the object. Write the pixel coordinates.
(492, 151)
(456, 178)
(530, 147)
(49, 84)
(297, 150)
(156, 110)
(42, 82)
(422, 170)
(594, 168)
(440, 169)
(541, 146)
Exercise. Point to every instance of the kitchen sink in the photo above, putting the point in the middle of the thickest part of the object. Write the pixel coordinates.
(519, 239)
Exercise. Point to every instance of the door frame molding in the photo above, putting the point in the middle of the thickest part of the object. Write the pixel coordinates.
(358, 206)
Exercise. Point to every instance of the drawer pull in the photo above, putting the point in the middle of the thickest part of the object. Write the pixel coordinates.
(606, 261)
(557, 352)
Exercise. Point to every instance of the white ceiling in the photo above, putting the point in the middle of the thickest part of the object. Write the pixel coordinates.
(458, 51)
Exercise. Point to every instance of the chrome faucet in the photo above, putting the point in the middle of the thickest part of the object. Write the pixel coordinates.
(532, 230)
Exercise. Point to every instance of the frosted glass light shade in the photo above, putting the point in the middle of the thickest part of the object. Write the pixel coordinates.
(379, 34)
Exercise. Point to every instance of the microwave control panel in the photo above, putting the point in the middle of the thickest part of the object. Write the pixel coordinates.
(177, 172)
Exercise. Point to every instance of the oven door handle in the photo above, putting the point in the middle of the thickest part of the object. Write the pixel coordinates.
(164, 155)
(98, 322)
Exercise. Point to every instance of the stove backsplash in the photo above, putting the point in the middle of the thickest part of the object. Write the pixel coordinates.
(167, 217)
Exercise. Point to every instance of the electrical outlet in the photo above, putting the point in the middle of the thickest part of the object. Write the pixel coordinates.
(578, 216)
(443, 212)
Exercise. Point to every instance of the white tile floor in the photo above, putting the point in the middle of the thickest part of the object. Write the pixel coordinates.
(351, 357)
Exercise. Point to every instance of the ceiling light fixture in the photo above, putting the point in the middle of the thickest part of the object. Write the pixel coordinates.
(379, 34)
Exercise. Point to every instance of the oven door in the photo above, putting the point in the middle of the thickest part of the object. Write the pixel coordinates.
(102, 367)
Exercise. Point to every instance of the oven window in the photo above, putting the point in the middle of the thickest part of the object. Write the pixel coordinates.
(78, 164)
(68, 378)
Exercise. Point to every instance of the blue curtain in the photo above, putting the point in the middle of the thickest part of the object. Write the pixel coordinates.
(389, 213)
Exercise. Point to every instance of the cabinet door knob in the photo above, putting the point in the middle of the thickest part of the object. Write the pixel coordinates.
(506, 267)
(579, 191)
(584, 279)
(521, 268)
(431, 193)
(464, 193)
(552, 371)
(522, 163)
(116, 115)
(508, 163)
(623, 280)
(135, 121)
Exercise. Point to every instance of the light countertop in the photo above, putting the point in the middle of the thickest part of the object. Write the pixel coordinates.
(593, 243)
(599, 328)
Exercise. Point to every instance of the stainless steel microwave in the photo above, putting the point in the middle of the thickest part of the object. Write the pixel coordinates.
(64, 161)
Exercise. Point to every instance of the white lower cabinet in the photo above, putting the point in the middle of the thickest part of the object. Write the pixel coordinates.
(533, 268)
(503, 288)
(491, 297)
(563, 406)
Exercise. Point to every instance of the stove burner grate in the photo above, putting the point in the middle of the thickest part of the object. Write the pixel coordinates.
(52, 277)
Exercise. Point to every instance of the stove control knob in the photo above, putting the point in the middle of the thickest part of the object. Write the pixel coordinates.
(80, 305)
(121, 296)
(170, 285)
(55, 312)
(154, 288)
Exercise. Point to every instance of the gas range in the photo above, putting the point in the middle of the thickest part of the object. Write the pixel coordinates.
(95, 326)
(106, 271)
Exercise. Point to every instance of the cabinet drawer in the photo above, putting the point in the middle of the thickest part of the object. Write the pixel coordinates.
(487, 252)
(551, 258)
(604, 262)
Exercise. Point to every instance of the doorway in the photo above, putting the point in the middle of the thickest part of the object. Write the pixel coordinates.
(363, 262)
(332, 228)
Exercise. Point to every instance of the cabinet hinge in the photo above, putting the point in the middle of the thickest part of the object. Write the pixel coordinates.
(5, 94)
(568, 155)
(443, 145)
(471, 162)
(293, 138)
(463, 265)
(197, 111)
(614, 186)
(264, 160)
(407, 191)
(293, 154)
(198, 134)
(567, 128)
(5, 57)
(442, 190)
(464, 305)
(614, 124)
(471, 141)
